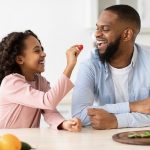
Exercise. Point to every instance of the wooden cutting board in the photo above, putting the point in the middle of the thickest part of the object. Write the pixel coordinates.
(123, 138)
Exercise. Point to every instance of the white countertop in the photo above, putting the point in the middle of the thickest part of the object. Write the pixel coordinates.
(87, 139)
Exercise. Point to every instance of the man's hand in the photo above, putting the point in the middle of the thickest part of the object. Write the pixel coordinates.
(142, 106)
(101, 119)
(73, 125)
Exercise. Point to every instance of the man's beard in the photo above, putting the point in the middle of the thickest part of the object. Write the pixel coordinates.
(110, 51)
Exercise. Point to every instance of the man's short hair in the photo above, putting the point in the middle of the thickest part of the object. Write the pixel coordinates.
(126, 13)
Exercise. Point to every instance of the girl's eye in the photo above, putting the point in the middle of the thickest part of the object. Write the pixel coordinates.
(37, 50)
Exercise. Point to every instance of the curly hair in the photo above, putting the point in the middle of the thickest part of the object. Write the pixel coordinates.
(11, 46)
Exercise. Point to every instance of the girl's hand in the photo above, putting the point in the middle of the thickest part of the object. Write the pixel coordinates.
(71, 56)
(73, 125)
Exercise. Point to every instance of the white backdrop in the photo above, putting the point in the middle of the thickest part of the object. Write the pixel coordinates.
(58, 23)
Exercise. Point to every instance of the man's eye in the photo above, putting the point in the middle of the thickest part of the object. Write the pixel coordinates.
(105, 29)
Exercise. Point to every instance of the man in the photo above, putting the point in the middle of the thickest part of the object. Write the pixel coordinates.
(112, 89)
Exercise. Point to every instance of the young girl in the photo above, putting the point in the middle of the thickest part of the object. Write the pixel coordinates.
(24, 93)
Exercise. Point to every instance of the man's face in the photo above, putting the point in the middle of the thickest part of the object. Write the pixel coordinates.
(108, 34)
(110, 51)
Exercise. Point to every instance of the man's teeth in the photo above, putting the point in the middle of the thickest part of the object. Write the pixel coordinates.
(101, 42)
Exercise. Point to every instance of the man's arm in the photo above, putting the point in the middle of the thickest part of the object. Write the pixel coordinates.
(101, 119)
(141, 106)
(134, 119)
(138, 117)
(83, 93)
(83, 96)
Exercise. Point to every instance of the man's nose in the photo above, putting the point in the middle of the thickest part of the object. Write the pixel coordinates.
(98, 33)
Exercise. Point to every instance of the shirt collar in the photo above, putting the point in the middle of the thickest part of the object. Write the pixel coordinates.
(133, 61)
(134, 56)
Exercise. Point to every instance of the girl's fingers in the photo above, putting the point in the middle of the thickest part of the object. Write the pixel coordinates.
(76, 120)
(73, 125)
(76, 128)
(77, 47)
(76, 125)
(80, 47)
(73, 122)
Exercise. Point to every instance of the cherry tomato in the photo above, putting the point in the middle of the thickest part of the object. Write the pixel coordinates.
(80, 47)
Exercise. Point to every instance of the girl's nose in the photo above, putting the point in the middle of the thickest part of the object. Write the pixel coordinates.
(43, 54)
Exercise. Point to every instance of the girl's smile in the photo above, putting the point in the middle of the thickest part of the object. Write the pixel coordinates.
(32, 60)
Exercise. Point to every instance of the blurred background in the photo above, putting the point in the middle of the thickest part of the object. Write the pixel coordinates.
(60, 24)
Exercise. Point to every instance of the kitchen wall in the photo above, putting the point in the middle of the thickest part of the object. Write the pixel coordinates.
(59, 25)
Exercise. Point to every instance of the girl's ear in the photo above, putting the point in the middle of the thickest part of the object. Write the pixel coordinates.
(19, 59)
(127, 34)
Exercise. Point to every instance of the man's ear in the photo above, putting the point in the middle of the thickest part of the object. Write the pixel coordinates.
(127, 34)
(19, 59)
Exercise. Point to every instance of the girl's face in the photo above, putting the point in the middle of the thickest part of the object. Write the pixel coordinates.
(32, 59)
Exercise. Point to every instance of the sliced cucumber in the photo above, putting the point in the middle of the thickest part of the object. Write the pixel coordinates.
(139, 135)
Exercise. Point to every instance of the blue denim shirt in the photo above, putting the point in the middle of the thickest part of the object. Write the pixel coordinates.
(94, 88)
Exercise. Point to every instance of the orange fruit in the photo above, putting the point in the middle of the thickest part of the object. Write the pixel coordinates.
(9, 142)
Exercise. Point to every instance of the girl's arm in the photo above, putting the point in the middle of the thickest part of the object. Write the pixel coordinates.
(15, 89)
(56, 121)
(71, 56)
